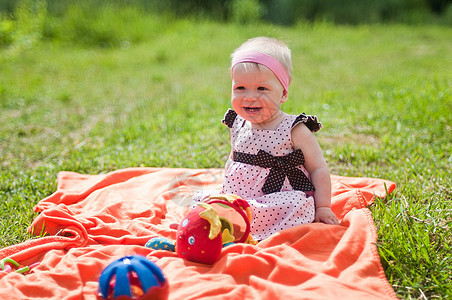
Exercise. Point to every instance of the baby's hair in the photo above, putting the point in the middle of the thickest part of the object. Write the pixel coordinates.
(273, 47)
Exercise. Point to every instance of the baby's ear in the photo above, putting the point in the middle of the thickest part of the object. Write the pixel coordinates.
(284, 96)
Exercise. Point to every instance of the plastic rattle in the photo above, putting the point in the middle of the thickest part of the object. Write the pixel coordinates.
(19, 269)
(132, 277)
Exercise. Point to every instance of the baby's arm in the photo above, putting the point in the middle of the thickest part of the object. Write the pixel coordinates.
(315, 164)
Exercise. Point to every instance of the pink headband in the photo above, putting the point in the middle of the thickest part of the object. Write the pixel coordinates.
(266, 60)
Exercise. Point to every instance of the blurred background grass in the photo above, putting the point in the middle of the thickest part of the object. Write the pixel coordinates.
(107, 23)
(93, 86)
(286, 12)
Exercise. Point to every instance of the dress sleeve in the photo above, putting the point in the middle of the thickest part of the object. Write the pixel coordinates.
(310, 121)
(229, 118)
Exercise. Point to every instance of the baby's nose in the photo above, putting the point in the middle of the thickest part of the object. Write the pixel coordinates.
(251, 95)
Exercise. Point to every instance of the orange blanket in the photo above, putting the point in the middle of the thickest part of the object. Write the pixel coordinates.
(92, 220)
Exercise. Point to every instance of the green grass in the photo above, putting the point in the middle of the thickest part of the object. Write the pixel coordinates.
(382, 93)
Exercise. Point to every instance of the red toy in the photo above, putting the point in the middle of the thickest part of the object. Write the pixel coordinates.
(217, 222)
(199, 236)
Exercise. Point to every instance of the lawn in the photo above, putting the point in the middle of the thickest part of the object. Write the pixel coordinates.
(381, 91)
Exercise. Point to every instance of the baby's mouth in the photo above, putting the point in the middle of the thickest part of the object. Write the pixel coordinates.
(251, 109)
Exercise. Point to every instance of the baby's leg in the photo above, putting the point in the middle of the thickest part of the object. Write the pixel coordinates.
(201, 195)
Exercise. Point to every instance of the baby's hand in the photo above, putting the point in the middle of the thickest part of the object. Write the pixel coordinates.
(325, 215)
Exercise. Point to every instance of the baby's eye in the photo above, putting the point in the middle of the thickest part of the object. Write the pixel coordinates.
(240, 88)
(262, 88)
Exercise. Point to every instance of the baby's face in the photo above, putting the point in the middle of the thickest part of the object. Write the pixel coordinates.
(257, 95)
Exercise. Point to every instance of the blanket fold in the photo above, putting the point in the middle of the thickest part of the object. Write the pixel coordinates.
(91, 220)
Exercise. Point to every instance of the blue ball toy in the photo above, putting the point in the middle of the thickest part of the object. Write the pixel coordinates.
(132, 277)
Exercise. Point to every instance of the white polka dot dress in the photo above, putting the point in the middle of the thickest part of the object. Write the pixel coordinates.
(275, 203)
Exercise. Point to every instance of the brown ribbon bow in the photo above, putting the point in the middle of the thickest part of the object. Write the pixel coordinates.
(280, 168)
